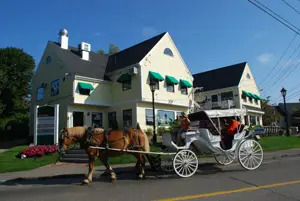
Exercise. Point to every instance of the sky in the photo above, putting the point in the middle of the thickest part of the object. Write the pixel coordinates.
(208, 33)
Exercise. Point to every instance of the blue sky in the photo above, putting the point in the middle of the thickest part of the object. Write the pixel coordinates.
(208, 33)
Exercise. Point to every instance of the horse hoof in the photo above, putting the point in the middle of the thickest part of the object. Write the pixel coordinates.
(113, 177)
(85, 181)
(140, 177)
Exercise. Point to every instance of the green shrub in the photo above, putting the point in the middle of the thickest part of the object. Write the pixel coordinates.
(149, 131)
(162, 129)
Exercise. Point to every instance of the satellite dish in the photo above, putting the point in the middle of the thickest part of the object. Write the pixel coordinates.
(198, 94)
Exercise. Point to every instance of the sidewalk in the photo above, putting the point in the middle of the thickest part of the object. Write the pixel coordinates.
(75, 169)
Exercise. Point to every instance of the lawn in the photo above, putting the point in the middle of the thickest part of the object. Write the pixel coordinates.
(10, 163)
(279, 143)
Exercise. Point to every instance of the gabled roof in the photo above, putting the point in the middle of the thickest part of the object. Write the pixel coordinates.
(132, 55)
(228, 76)
(71, 60)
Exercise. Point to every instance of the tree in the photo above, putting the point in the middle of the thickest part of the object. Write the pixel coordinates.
(16, 70)
(101, 51)
(113, 49)
(271, 115)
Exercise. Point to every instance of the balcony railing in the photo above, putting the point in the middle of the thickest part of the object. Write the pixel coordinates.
(218, 105)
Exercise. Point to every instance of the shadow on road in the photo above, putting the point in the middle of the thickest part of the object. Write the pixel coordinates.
(123, 174)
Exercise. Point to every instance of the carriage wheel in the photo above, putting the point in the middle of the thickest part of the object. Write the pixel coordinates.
(250, 154)
(224, 158)
(185, 163)
(167, 162)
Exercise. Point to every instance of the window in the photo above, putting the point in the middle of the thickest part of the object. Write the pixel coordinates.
(127, 117)
(256, 101)
(126, 85)
(149, 116)
(258, 120)
(184, 90)
(252, 120)
(227, 96)
(244, 97)
(214, 98)
(97, 119)
(48, 60)
(55, 87)
(250, 100)
(40, 93)
(84, 91)
(168, 52)
(157, 84)
(248, 76)
(179, 114)
(112, 120)
(165, 117)
(170, 87)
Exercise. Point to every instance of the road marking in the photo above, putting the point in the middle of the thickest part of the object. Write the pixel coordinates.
(188, 197)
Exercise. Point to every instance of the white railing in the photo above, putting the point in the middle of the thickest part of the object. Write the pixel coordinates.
(218, 105)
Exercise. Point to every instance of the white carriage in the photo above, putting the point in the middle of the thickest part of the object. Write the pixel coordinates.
(205, 137)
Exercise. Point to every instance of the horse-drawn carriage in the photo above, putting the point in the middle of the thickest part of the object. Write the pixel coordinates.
(204, 136)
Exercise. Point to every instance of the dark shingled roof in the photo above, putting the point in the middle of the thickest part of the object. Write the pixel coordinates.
(219, 78)
(132, 55)
(71, 60)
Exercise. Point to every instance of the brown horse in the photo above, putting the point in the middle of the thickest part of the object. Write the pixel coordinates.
(118, 139)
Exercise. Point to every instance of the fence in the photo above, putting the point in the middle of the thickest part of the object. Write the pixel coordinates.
(271, 131)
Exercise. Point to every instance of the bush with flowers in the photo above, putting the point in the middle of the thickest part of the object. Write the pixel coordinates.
(38, 151)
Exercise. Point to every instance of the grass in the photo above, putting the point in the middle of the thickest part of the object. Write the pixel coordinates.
(10, 163)
(279, 143)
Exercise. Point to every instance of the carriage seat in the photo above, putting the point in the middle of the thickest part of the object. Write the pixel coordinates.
(205, 134)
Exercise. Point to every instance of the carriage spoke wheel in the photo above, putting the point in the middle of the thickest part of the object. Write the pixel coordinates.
(250, 154)
(185, 163)
(167, 161)
(224, 158)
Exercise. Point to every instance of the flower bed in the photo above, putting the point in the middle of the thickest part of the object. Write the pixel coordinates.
(38, 151)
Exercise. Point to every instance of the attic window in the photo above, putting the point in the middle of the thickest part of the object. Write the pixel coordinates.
(248, 76)
(169, 52)
(48, 60)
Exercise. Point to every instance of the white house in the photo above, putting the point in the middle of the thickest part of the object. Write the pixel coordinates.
(93, 88)
(230, 87)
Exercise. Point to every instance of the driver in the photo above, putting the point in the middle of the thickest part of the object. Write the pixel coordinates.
(228, 133)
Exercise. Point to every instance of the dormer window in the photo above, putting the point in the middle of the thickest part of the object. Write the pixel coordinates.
(168, 52)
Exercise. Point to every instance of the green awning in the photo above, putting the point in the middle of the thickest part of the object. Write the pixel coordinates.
(185, 83)
(124, 77)
(82, 85)
(171, 80)
(154, 76)
(246, 93)
(251, 95)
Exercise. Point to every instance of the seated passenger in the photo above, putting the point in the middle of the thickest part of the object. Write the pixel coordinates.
(184, 126)
(231, 126)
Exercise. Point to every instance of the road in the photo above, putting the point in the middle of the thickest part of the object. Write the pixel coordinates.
(276, 179)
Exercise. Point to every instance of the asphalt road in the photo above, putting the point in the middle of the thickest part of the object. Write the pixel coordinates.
(276, 179)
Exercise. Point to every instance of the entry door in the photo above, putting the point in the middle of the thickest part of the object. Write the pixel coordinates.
(78, 118)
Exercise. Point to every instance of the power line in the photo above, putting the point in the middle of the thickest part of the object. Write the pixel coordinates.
(286, 23)
(274, 67)
(292, 7)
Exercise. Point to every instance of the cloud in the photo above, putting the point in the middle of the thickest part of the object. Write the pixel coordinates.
(97, 34)
(265, 58)
(149, 31)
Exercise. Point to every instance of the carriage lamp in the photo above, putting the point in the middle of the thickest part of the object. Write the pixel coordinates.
(283, 93)
(153, 87)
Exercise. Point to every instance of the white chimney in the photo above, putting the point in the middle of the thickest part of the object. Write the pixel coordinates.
(85, 49)
(63, 38)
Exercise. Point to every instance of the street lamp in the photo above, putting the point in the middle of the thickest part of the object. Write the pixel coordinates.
(153, 87)
(283, 93)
